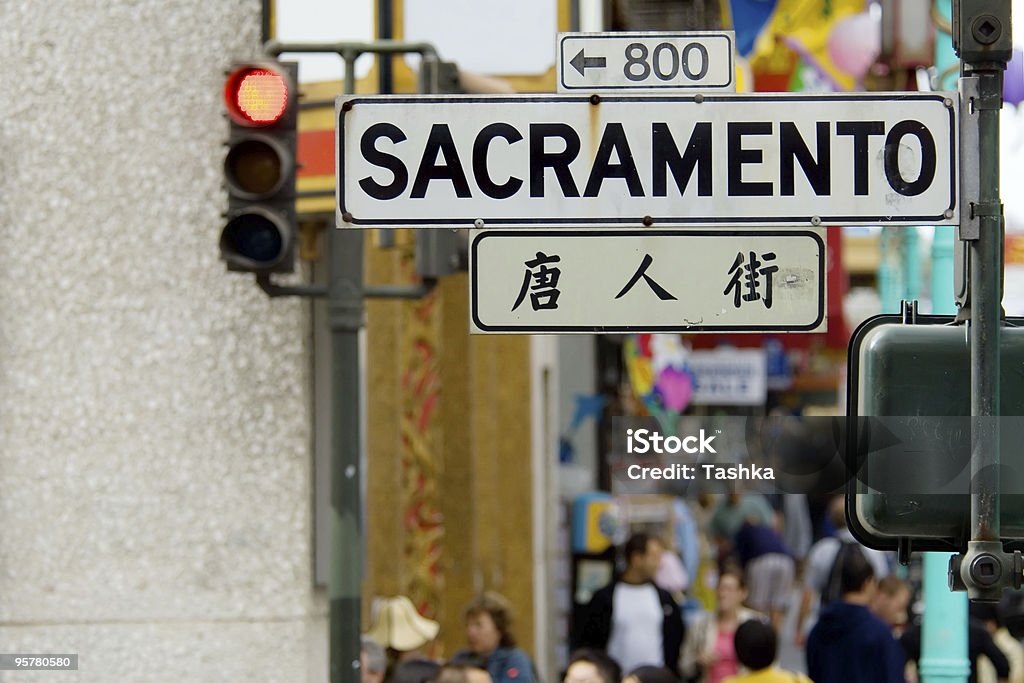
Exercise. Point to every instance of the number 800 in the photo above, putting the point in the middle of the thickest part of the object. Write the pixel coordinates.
(637, 53)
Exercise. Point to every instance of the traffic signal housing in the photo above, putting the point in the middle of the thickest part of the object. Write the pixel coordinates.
(909, 434)
(259, 168)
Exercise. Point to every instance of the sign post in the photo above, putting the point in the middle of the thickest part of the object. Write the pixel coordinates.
(982, 38)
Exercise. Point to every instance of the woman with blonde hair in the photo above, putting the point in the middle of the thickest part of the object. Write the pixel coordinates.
(492, 646)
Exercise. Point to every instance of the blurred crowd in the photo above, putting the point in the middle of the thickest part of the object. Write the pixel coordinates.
(743, 577)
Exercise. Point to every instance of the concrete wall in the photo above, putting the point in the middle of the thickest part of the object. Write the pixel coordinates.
(154, 418)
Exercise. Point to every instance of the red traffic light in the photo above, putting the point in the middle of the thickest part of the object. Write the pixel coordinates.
(257, 95)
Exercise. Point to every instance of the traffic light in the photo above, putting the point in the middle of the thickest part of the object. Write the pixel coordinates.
(909, 449)
(259, 168)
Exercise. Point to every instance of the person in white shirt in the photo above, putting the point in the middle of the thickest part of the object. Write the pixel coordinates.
(632, 619)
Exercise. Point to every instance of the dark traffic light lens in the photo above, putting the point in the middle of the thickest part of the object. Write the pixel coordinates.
(254, 169)
(254, 240)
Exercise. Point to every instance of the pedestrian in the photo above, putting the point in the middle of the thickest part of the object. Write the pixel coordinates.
(890, 603)
(492, 645)
(757, 647)
(401, 630)
(992, 617)
(849, 644)
(461, 673)
(415, 671)
(980, 646)
(588, 665)
(651, 674)
(796, 526)
(709, 654)
(822, 569)
(373, 662)
(730, 515)
(769, 568)
(632, 619)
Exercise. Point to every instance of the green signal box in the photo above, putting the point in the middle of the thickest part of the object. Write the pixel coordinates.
(909, 437)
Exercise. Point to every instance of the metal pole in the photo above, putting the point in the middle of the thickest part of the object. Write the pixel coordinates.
(986, 305)
(385, 31)
(345, 311)
(982, 32)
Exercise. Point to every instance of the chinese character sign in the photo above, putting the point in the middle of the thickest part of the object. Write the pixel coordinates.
(611, 280)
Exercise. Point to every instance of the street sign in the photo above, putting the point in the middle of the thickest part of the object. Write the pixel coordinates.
(603, 280)
(648, 160)
(696, 60)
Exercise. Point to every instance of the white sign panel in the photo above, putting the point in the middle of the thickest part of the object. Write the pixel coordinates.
(602, 280)
(729, 377)
(698, 60)
(646, 160)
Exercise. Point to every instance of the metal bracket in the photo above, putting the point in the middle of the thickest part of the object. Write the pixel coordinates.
(991, 102)
(908, 311)
(986, 209)
(903, 551)
(274, 290)
(985, 570)
(970, 95)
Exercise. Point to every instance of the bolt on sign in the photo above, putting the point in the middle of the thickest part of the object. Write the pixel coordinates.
(607, 280)
(648, 160)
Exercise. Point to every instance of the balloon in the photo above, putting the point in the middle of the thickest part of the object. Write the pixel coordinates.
(855, 43)
(676, 389)
(1013, 80)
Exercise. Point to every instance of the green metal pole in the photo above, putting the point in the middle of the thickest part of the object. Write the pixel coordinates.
(345, 312)
(985, 46)
(345, 317)
(944, 631)
(986, 306)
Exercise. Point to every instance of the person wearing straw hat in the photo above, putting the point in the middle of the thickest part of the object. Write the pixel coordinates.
(400, 629)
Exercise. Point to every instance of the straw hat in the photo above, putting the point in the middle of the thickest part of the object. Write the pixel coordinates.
(397, 624)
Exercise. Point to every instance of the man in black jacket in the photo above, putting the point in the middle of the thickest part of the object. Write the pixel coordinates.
(979, 642)
(849, 644)
(632, 619)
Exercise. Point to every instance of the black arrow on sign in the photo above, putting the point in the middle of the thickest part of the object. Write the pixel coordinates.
(581, 63)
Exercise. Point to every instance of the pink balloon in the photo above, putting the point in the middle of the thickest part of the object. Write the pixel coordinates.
(676, 389)
(854, 44)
